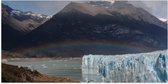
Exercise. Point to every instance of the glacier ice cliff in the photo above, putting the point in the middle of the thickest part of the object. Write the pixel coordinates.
(142, 67)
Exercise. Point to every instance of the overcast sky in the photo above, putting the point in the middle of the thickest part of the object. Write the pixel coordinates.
(157, 8)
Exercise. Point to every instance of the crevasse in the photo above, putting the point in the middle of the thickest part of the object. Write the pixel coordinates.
(142, 67)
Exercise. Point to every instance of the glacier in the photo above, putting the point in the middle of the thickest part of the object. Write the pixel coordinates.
(141, 67)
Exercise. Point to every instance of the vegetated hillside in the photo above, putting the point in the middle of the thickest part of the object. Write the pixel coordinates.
(11, 73)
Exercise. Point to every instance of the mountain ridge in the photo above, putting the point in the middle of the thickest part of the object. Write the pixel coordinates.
(22, 21)
(72, 17)
(78, 23)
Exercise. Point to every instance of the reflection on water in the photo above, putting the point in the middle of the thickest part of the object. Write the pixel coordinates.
(67, 68)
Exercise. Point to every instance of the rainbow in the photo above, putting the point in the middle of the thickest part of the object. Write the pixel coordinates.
(90, 46)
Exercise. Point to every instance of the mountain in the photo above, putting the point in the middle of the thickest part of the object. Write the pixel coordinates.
(22, 21)
(126, 8)
(15, 24)
(10, 36)
(120, 21)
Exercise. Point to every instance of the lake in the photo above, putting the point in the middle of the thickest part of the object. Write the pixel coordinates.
(64, 68)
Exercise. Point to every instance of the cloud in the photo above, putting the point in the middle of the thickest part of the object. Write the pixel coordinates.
(157, 8)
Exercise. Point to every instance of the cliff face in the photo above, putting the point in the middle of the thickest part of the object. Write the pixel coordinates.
(142, 67)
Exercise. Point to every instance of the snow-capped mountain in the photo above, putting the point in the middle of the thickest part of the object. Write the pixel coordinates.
(36, 17)
(120, 22)
(16, 23)
(142, 67)
(22, 21)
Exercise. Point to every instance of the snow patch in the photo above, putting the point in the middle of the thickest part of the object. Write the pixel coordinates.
(162, 19)
(111, 1)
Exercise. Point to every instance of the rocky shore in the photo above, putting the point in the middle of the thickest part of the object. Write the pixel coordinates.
(11, 73)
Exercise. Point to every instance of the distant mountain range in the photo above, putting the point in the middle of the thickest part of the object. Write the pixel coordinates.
(100, 21)
(22, 21)
(16, 23)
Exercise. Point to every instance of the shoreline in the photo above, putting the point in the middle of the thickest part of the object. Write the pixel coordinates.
(24, 74)
(4, 60)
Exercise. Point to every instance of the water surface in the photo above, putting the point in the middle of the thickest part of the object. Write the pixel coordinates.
(64, 68)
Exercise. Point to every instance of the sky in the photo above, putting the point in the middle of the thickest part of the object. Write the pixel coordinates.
(43, 7)
(157, 8)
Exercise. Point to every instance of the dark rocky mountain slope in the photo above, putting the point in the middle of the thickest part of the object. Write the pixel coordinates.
(121, 21)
